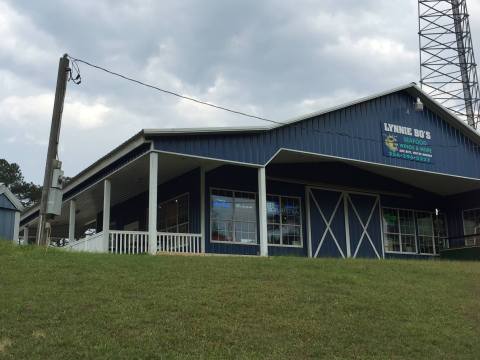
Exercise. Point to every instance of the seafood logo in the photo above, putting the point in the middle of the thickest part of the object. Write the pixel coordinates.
(391, 143)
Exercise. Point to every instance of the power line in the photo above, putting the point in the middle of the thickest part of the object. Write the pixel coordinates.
(75, 60)
(298, 125)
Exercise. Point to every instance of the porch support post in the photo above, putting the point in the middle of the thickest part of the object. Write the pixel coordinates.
(16, 227)
(71, 221)
(25, 235)
(152, 203)
(106, 212)
(262, 211)
(202, 207)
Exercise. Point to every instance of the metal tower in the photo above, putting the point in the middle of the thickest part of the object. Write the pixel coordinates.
(447, 64)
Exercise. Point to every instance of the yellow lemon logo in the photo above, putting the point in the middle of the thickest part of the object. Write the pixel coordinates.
(391, 143)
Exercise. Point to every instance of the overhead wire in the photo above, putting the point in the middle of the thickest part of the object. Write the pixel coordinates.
(76, 61)
(77, 80)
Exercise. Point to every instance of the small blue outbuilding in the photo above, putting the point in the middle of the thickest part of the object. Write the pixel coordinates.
(10, 208)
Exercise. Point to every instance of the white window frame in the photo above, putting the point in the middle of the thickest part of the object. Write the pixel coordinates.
(280, 224)
(464, 228)
(399, 233)
(256, 218)
(187, 194)
(432, 214)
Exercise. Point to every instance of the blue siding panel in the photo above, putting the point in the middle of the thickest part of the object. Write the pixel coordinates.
(369, 212)
(7, 224)
(455, 207)
(323, 240)
(351, 133)
(5, 203)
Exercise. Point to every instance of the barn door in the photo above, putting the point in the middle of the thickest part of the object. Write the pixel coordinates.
(364, 225)
(327, 223)
(344, 224)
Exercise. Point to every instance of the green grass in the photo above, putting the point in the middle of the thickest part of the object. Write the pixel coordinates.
(57, 305)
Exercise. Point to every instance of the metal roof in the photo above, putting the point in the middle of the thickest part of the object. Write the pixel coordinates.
(10, 196)
(411, 88)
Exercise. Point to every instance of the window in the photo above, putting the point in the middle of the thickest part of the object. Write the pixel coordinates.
(233, 216)
(399, 229)
(409, 231)
(425, 232)
(471, 226)
(284, 221)
(440, 232)
(173, 215)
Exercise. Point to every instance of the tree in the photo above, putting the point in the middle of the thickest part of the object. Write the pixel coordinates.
(11, 175)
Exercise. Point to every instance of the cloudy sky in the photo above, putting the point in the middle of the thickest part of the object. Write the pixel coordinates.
(275, 59)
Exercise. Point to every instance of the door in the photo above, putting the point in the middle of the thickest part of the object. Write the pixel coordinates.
(344, 224)
(327, 223)
(364, 225)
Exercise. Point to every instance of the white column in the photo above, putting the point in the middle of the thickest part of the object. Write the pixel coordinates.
(107, 189)
(71, 221)
(309, 228)
(25, 235)
(202, 207)
(16, 227)
(262, 211)
(347, 224)
(152, 203)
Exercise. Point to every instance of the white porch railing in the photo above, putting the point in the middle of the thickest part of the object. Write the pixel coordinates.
(128, 242)
(137, 242)
(93, 243)
(178, 243)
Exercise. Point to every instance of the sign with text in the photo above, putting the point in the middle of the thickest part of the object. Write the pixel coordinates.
(407, 143)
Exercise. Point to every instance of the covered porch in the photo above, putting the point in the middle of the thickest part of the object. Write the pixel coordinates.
(155, 196)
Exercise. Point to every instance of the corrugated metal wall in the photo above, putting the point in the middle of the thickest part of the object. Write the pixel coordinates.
(7, 218)
(354, 133)
(456, 204)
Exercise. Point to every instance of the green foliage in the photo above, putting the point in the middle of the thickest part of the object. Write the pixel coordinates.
(11, 175)
(58, 305)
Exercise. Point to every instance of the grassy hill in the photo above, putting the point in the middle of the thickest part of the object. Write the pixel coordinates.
(57, 305)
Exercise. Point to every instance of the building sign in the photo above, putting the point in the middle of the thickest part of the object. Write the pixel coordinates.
(407, 143)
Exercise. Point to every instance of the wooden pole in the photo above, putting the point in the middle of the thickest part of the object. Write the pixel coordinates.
(52, 146)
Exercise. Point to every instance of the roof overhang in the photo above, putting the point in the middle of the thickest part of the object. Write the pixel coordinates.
(121, 150)
(440, 184)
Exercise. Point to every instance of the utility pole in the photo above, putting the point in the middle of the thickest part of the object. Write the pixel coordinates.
(51, 162)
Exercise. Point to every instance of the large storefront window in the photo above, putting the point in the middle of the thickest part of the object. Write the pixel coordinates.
(233, 216)
(471, 226)
(284, 221)
(409, 231)
(173, 215)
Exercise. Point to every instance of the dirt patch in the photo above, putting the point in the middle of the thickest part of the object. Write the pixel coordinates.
(4, 343)
(39, 334)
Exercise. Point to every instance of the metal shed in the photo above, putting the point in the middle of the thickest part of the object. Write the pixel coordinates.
(10, 208)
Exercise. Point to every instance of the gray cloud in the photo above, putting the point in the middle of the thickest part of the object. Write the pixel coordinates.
(277, 59)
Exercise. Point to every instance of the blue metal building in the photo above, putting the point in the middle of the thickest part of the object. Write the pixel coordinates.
(10, 208)
(379, 177)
